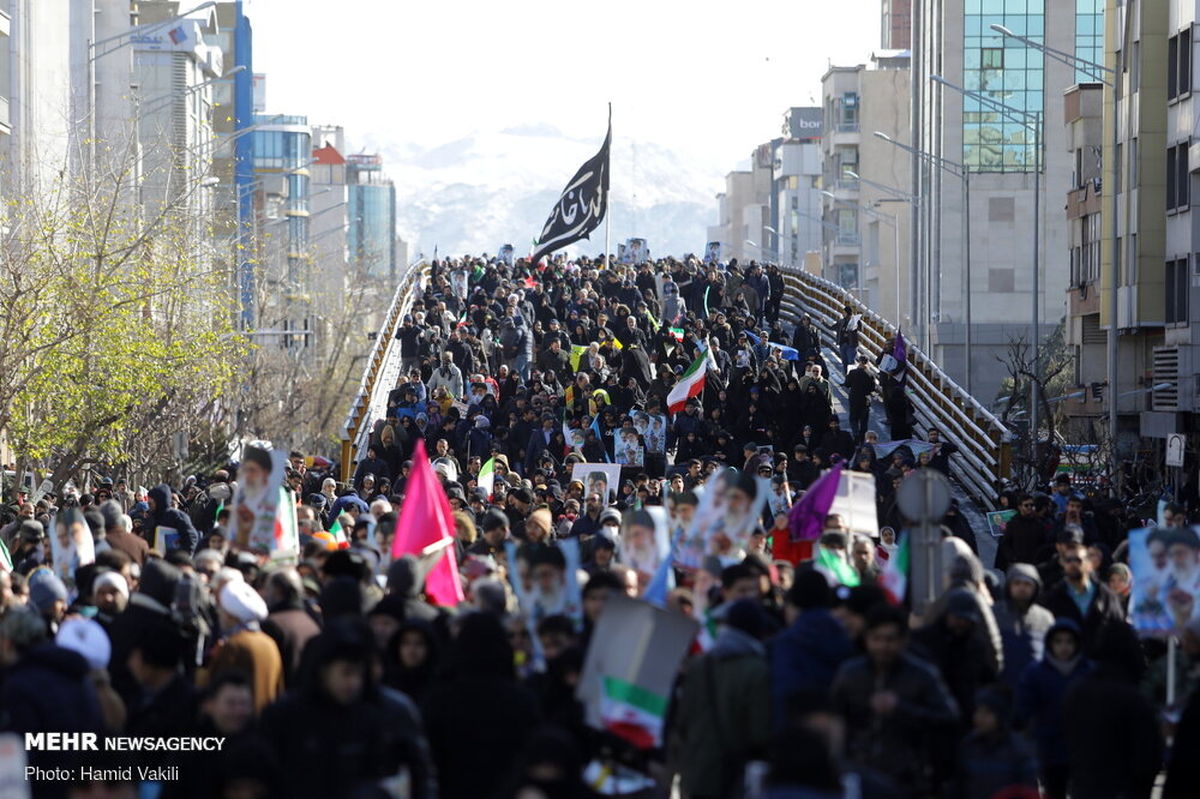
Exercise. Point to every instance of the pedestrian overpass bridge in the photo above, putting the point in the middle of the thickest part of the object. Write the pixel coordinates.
(984, 455)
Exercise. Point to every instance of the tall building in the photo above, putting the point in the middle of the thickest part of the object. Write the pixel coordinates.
(35, 92)
(1082, 112)
(796, 191)
(862, 224)
(175, 69)
(1152, 171)
(372, 216)
(896, 31)
(744, 210)
(282, 156)
(1005, 150)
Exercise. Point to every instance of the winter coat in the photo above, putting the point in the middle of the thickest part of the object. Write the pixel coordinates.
(1114, 744)
(449, 377)
(805, 657)
(1040, 695)
(1183, 767)
(901, 744)
(167, 516)
(1023, 632)
(1022, 542)
(326, 749)
(478, 718)
(724, 715)
(253, 653)
(48, 690)
(963, 660)
(292, 627)
(1106, 633)
(988, 764)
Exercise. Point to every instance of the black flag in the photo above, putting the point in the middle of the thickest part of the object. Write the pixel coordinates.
(582, 206)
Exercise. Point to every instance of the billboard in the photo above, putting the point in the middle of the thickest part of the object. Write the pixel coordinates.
(805, 123)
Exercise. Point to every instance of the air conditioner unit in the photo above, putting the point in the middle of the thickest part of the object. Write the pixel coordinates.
(1172, 379)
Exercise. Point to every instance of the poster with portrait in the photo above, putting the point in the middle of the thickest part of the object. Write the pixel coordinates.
(730, 508)
(71, 544)
(629, 450)
(257, 501)
(1165, 562)
(653, 430)
(603, 478)
(505, 255)
(645, 541)
(855, 502)
(998, 520)
(712, 252)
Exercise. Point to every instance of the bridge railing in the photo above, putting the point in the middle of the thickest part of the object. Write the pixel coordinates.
(382, 370)
(983, 441)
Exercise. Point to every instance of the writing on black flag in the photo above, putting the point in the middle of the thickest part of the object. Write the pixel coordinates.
(581, 207)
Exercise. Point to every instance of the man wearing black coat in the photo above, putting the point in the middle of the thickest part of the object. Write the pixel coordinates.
(838, 440)
(164, 514)
(1090, 603)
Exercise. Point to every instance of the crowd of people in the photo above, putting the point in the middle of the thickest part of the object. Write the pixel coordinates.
(546, 399)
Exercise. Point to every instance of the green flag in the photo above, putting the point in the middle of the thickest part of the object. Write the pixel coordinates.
(836, 565)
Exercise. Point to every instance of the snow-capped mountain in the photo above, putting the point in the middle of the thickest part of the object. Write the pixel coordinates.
(473, 194)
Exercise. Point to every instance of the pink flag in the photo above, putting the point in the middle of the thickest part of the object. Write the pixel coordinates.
(425, 527)
(806, 520)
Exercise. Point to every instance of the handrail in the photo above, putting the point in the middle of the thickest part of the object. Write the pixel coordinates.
(983, 441)
(381, 371)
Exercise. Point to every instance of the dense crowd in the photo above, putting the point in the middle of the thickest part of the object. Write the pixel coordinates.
(548, 402)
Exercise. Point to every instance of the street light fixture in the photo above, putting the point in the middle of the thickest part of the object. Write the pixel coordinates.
(1099, 72)
(961, 172)
(1034, 121)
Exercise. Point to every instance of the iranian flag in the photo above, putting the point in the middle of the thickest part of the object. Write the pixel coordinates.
(6, 562)
(894, 579)
(633, 713)
(689, 385)
(339, 535)
(487, 477)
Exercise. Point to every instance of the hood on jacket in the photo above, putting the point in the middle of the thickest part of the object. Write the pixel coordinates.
(482, 649)
(1025, 571)
(404, 577)
(1069, 625)
(342, 639)
(161, 494)
(49, 656)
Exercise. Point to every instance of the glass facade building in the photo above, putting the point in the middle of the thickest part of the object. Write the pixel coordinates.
(283, 146)
(1011, 73)
(371, 199)
(1089, 35)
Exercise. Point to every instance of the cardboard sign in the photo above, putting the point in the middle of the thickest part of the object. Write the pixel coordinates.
(71, 544)
(257, 501)
(1165, 595)
(635, 655)
(855, 501)
(603, 478)
(998, 520)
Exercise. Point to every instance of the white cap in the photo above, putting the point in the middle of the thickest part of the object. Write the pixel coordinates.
(241, 601)
(88, 639)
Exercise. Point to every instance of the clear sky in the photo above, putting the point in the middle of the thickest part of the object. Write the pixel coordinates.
(709, 79)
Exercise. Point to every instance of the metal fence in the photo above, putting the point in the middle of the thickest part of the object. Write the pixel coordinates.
(382, 370)
(984, 455)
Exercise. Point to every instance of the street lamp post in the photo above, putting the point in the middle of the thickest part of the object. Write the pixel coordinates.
(896, 195)
(1024, 117)
(961, 172)
(117, 42)
(1111, 79)
(889, 219)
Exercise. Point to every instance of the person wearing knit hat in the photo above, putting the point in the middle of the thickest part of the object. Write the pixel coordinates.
(48, 596)
(537, 526)
(244, 646)
(110, 593)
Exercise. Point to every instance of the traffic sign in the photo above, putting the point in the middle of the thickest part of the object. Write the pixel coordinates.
(924, 496)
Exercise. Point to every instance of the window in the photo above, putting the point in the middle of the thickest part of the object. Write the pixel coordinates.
(1179, 64)
(1179, 194)
(1119, 172)
(1176, 306)
(1171, 177)
(1185, 61)
(1172, 67)
(991, 58)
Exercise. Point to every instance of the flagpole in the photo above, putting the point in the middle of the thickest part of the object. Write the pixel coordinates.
(608, 208)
